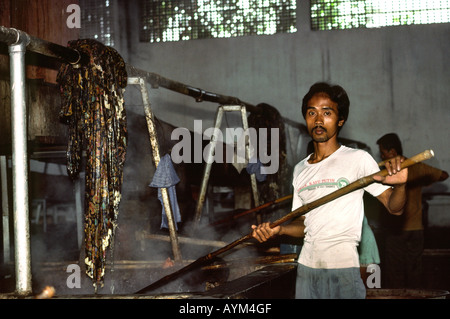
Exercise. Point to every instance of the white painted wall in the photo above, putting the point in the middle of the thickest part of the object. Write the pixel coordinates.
(397, 78)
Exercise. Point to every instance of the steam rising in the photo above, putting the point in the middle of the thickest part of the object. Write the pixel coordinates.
(132, 263)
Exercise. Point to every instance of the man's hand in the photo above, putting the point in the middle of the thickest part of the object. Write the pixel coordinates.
(394, 199)
(397, 175)
(263, 232)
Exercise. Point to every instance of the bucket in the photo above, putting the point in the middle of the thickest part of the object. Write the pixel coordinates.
(406, 294)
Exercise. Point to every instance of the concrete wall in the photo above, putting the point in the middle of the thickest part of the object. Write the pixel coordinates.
(397, 78)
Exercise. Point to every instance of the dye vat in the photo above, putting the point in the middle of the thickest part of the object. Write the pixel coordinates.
(243, 278)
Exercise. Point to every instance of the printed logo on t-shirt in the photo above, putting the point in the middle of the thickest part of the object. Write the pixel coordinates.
(342, 182)
(324, 183)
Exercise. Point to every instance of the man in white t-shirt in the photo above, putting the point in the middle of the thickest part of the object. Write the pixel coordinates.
(328, 265)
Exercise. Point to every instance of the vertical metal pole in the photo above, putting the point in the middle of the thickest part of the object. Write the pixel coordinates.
(252, 176)
(20, 167)
(79, 209)
(156, 158)
(5, 210)
(207, 169)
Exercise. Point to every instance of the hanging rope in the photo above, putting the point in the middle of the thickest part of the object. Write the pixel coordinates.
(93, 109)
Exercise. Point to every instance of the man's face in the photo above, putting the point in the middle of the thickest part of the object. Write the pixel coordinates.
(322, 118)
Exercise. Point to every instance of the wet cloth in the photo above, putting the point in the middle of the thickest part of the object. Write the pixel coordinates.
(256, 168)
(166, 177)
(174, 206)
(368, 249)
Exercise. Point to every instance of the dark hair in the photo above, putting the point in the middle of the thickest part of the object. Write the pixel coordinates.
(336, 94)
(391, 141)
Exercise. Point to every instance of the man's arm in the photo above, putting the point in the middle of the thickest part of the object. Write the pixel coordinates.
(394, 198)
(263, 232)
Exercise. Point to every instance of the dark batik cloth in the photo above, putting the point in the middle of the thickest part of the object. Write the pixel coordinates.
(93, 109)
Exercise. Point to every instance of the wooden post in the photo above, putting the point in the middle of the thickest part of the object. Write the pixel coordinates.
(156, 159)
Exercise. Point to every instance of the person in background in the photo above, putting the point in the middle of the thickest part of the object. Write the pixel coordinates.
(328, 265)
(404, 238)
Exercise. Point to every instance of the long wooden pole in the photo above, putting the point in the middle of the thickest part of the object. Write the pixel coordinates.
(260, 207)
(251, 210)
(358, 184)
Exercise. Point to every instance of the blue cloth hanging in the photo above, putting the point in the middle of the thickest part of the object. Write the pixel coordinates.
(166, 177)
(255, 168)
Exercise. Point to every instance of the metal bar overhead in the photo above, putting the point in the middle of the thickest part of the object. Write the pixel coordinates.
(53, 50)
(68, 55)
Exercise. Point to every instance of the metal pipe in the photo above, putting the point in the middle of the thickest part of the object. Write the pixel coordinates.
(200, 95)
(156, 158)
(207, 168)
(68, 55)
(252, 176)
(5, 209)
(20, 165)
(79, 209)
(53, 50)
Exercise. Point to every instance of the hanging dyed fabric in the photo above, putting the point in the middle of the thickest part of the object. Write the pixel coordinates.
(93, 108)
(166, 177)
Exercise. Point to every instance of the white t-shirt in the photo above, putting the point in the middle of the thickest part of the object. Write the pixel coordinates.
(333, 230)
